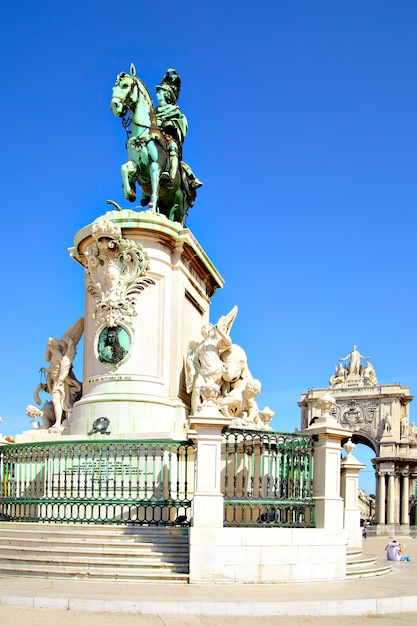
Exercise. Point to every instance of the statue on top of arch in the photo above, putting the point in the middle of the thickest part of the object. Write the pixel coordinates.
(354, 371)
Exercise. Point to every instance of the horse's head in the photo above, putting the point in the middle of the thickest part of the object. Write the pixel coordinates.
(125, 93)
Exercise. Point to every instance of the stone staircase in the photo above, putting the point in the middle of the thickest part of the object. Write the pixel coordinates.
(125, 553)
(360, 565)
(96, 552)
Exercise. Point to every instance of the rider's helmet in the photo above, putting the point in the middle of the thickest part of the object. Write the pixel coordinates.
(171, 84)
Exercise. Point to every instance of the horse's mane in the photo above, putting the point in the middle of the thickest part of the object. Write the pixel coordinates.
(142, 89)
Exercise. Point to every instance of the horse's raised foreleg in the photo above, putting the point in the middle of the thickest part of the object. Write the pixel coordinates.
(129, 187)
(154, 174)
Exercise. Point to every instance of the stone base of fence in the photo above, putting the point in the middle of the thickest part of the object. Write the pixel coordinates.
(266, 555)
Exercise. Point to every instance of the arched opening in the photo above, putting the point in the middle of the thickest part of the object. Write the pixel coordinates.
(387, 491)
(365, 451)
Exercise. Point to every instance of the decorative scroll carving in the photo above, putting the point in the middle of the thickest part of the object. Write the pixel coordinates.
(356, 415)
(115, 269)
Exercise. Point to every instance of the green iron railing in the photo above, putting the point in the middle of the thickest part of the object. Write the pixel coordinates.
(268, 479)
(116, 482)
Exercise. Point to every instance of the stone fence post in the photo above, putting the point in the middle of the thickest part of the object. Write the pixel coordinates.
(206, 430)
(327, 453)
(349, 492)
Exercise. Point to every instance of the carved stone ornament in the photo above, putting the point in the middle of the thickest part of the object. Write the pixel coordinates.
(326, 403)
(100, 426)
(349, 447)
(115, 269)
(356, 415)
(266, 416)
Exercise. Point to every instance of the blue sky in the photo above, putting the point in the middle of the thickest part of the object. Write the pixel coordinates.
(302, 126)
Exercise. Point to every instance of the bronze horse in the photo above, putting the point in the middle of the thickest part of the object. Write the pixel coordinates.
(148, 154)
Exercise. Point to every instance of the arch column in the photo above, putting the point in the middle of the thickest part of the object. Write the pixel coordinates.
(380, 499)
(412, 496)
(405, 494)
(391, 499)
(397, 499)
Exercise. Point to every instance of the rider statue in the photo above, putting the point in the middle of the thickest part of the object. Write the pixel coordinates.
(174, 125)
(154, 145)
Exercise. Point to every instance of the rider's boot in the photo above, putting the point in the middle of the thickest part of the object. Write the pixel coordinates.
(169, 177)
(154, 172)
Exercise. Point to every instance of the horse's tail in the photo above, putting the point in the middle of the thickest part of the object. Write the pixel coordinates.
(190, 183)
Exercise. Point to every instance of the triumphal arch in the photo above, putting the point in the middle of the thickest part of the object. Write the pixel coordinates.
(378, 415)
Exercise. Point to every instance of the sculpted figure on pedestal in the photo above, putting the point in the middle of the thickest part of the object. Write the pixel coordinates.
(387, 425)
(404, 426)
(216, 360)
(354, 366)
(339, 376)
(369, 375)
(203, 363)
(355, 369)
(154, 145)
(209, 364)
(61, 383)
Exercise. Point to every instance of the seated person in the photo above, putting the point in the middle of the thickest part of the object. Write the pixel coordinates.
(394, 551)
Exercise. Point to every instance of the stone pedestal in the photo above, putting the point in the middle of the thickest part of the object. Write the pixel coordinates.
(349, 491)
(326, 481)
(206, 430)
(148, 289)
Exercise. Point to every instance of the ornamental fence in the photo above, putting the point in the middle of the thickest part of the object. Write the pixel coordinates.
(266, 481)
(112, 482)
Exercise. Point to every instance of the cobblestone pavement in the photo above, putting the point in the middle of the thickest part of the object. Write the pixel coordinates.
(18, 616)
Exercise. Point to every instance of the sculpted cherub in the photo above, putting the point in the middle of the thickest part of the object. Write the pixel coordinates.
(239, 402)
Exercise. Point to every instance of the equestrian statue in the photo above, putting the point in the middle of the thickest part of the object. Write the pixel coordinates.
(154, 145)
